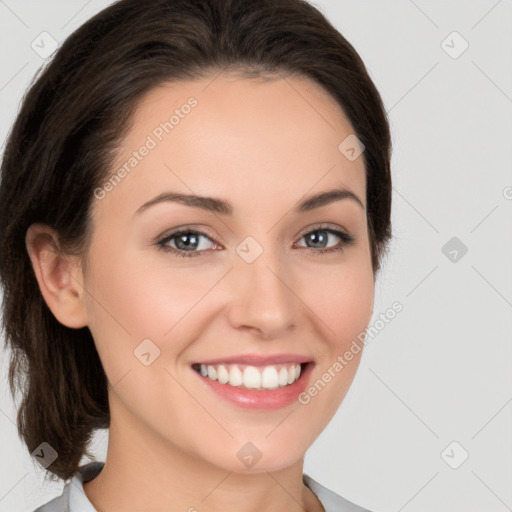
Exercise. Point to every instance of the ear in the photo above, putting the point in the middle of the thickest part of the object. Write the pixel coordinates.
(58, 275)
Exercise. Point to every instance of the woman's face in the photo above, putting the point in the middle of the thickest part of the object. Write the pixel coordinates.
(250, 280)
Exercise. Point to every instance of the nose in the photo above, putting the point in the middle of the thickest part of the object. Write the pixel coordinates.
(263, 297)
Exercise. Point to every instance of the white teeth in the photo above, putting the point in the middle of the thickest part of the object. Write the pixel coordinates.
(222, 374)
(291, 374)
(235, 377)
(269, 378)
(252, 377)
(212, 372)
(283, 376)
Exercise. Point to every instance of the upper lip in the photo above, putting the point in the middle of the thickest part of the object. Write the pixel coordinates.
(259, 360)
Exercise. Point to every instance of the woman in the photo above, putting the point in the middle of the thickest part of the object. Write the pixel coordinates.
(195, 202)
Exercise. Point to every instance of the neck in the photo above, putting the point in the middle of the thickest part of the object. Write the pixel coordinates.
(142, 471)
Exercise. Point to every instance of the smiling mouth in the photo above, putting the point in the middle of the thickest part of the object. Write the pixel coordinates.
(244, 376)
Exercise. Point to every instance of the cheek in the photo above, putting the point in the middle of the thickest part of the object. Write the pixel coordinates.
(140, 294)
(140, 297)
(342, 296)
(347, 305)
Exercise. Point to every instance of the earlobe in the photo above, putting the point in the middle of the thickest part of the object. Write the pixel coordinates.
(57, 276)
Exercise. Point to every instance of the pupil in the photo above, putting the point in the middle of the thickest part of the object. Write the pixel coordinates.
(319, 236)
(182, 239)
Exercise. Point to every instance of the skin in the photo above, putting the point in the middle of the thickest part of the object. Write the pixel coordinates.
(262, 145)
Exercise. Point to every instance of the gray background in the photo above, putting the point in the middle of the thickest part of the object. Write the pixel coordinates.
(440, 371)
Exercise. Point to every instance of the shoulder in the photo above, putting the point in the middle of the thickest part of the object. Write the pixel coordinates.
(73, 497)
(331, 501)
(58, 504)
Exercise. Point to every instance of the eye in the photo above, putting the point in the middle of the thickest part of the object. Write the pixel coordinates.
(187, 243)
(318, 238)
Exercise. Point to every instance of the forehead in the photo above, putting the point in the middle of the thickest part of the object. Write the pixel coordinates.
(225, 136)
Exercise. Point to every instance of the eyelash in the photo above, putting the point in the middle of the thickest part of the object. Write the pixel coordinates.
(346, 240)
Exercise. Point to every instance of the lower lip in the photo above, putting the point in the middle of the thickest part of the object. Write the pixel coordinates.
(266, 400)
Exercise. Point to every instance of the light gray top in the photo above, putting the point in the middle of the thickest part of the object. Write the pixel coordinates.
(74, 499)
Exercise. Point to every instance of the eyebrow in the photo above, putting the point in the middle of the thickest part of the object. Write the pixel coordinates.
(221, 206)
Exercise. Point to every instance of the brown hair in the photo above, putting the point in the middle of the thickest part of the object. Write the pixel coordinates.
(64, 140)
